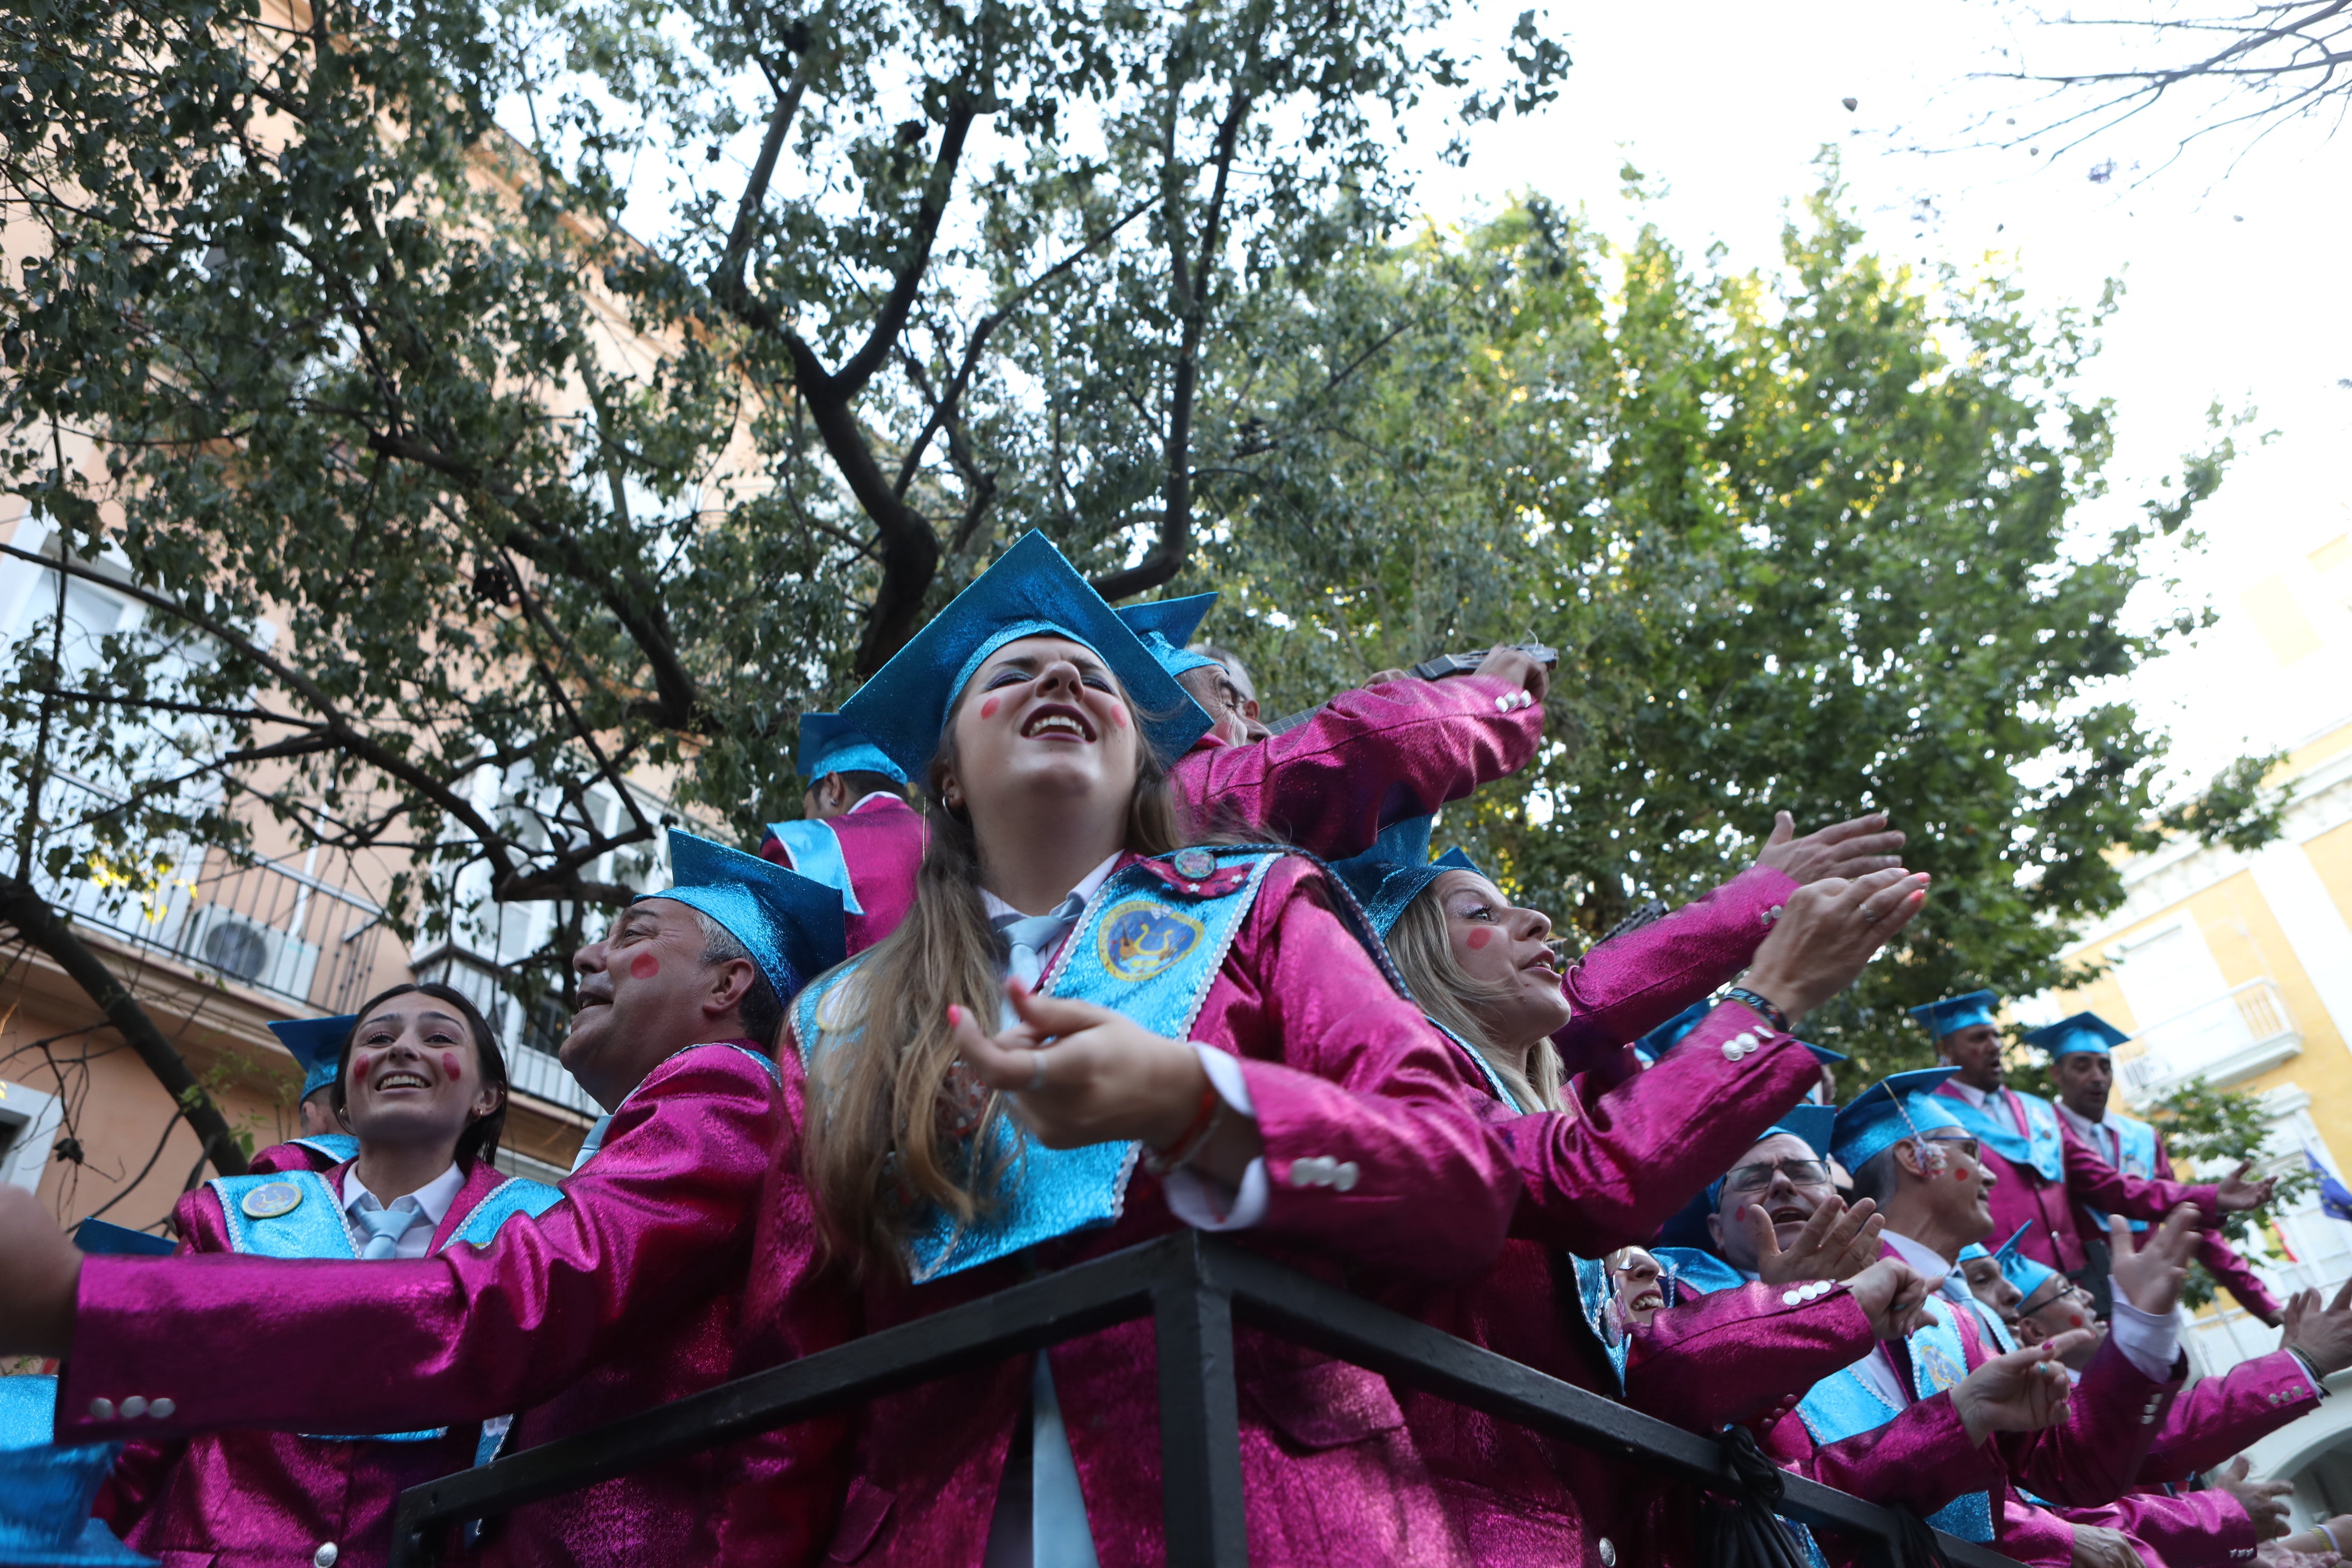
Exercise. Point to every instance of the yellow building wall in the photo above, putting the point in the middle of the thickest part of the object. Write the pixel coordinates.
(2248, 943)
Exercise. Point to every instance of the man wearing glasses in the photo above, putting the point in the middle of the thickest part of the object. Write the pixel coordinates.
(2043, 1169)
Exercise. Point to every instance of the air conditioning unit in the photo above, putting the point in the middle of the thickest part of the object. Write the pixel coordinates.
(240, 948)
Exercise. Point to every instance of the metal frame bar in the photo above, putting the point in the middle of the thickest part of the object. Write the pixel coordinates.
(1193, 1287)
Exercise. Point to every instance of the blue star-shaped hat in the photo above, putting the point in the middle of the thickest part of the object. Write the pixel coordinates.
(317, 1045)
(831, 744)
(1954, 1014)
(1809, 1123)
(1396, 869)
(2083, 1032)
(1166, 625)
(791, 924)
(1971, 1252)
(2027, 1274)
(1031, 591)
(1897, 1106)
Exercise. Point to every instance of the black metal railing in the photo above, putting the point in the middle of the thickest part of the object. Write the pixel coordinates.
(1192, 1287)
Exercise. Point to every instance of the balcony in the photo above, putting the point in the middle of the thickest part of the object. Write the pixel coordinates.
(272, 926)
(2244, 1031)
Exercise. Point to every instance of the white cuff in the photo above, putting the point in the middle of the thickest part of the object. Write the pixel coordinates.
(1199, 1201)
(1202, 1202)
(2151, 1344)
(1226, 1077)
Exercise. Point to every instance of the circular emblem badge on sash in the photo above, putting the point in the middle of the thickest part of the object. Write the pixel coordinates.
(1140, 938)
(271, 1199)
(1194, 864)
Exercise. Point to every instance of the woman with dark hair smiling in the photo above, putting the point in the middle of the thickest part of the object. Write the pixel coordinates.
(421, 1084)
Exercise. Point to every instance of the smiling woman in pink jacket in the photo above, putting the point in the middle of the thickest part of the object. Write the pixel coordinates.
(421, 1082)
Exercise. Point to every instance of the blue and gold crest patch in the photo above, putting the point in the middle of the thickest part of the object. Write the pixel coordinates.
(1139, 937)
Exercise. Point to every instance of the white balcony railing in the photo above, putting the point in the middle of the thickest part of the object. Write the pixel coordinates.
(2238, 1033)
(532, 1066)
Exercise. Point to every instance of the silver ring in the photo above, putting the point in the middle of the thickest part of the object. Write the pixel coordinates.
(1036, 1071)
(1868, 914)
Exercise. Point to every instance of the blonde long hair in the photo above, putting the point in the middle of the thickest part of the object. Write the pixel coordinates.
(893, 1125)
(1441, 987)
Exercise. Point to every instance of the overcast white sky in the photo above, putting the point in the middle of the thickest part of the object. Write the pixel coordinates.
(2236, 276)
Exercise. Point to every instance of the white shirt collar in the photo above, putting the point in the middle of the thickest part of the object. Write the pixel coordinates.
(1933, 1265)
(2085, 1127)
(888, 795)
(433, 1198)
(1969, 1091)
(997, 909)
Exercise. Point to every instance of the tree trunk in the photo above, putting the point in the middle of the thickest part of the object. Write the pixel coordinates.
(23, 908)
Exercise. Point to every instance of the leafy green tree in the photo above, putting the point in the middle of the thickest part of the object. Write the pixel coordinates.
(474, 507)
(1813, 537)
(2212, 1130)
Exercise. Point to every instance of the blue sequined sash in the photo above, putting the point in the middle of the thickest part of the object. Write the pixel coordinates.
(1846, 1407)
(2139, 1140)
(1138, 948)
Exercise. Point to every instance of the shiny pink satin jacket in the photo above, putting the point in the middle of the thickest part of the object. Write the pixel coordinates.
(273, 1499)
(2221, 1417)
(1366, 759)
(1340, 1069)
(624, 1296)
(881, 846)
(1923, 1459)
(2208, 1424)
(2020, 1195)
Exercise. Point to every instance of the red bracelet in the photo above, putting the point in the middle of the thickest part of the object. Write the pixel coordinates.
(1205, 1121)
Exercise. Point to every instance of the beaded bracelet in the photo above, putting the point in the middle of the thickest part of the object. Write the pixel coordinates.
(1770, 1015)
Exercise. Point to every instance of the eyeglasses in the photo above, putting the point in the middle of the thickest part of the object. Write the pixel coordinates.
(1755, 1178)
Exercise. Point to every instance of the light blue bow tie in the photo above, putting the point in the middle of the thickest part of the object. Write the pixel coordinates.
(385, 1228)
(1032, 937)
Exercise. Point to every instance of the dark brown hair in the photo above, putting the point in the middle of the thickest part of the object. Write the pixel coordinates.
(480, 1141)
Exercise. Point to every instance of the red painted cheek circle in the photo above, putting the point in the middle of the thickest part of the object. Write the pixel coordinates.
(449, 1066)
(361, 1062)
(1119, 717)
(988, 707)
(2077, 1319)
(645, 966)
(1480, 938)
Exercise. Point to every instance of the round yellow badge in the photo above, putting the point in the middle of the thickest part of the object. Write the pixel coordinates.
(271, 1199)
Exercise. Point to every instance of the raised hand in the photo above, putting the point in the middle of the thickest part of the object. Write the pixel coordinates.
(2322, 1334)
(2234, 1194)
(2147, 1270)
(2023, 1391)
(2265, 1501)
(1081, 1074)
(40, 1274)
(1837, 1243)
(1854, 847)
(1894, 1296)
(1827, 932)
(1507, 663)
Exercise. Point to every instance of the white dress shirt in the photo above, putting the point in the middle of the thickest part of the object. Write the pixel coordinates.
(432, 1200)
(2101, 1139)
